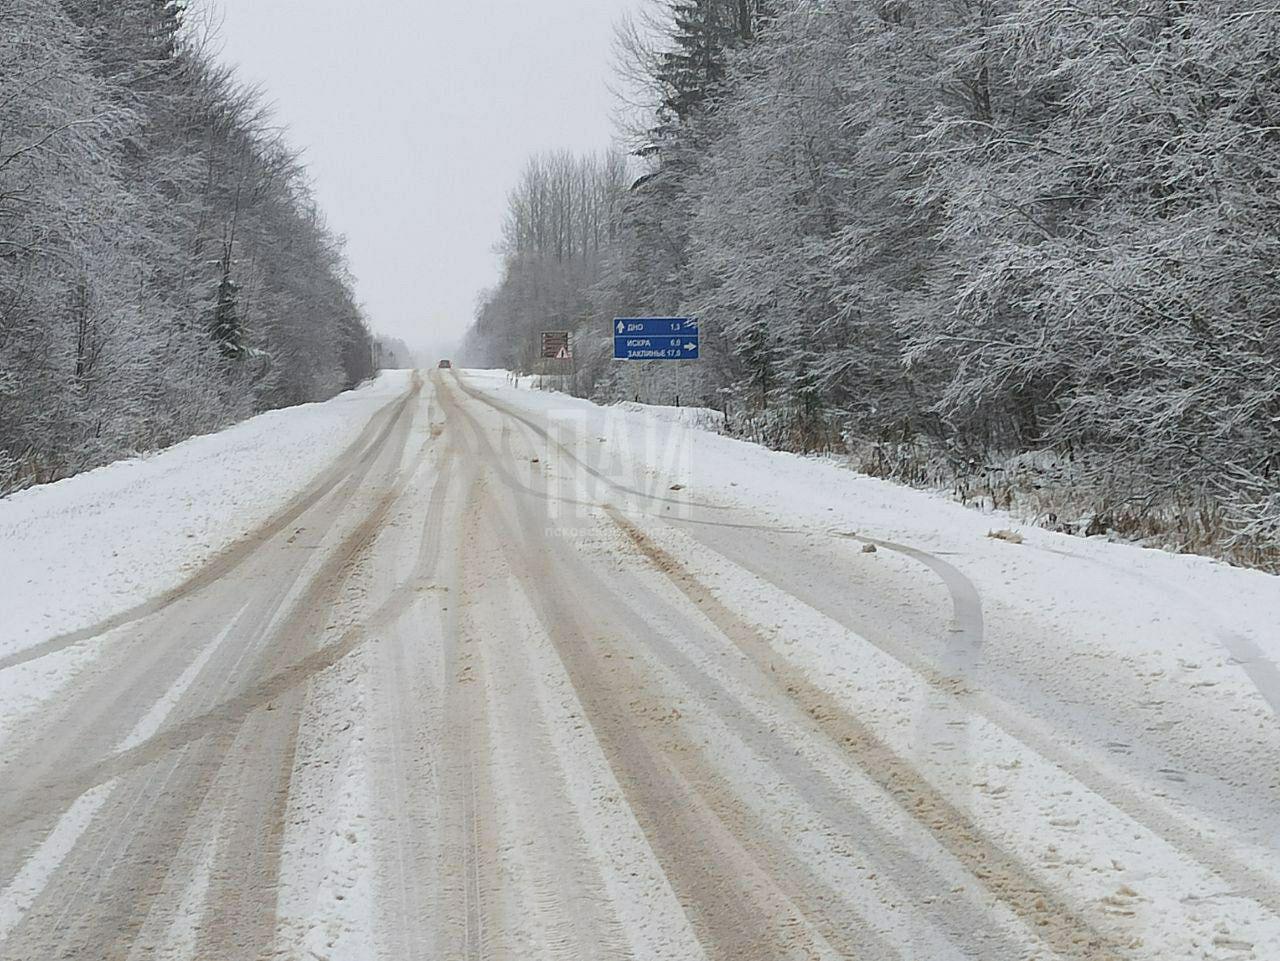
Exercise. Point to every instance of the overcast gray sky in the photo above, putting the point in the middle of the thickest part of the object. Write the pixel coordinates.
(415, 117)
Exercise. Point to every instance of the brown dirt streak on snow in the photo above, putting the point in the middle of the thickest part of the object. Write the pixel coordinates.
(1062, 926)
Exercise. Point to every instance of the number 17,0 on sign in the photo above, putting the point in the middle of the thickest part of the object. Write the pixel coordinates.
(655, 338)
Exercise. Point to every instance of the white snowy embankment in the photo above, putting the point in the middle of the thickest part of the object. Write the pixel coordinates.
(75, 552)
(704, 418)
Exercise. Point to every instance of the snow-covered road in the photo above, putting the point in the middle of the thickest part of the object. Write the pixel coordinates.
(447, 669)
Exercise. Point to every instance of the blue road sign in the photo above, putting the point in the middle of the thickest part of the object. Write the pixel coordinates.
(655, 338)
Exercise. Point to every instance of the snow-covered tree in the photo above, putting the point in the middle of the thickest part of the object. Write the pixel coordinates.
(980, 228)
(127, 161)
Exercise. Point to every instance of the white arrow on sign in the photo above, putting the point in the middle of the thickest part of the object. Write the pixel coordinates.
(622, 328)
(690, 346)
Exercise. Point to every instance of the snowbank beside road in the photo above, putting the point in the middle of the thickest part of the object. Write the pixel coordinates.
(704, 418)
(80, 550)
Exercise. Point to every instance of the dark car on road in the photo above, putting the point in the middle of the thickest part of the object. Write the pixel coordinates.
(445, 364)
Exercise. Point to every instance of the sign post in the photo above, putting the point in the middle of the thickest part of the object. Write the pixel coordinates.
(655, 338)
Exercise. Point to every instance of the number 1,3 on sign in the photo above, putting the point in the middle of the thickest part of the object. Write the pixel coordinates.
(654, 326)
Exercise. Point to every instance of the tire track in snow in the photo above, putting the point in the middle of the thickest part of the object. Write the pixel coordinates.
(595, 472)
(230, 712)
(963, 651)
(408, 784)
(626, 627)
(1060, 925)
(740, 910)
(23, 890)
(120, 910)
(966, 601)
(1171, 826)
(84, 722)
(556, 867)
(361, 451)
(1068, 931)
(467, 723)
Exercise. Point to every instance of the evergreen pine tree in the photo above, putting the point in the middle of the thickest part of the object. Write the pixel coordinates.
(694, 69)
(226, 330)
(703, 33)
